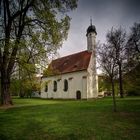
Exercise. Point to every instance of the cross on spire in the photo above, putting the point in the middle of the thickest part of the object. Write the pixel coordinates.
(90, 21)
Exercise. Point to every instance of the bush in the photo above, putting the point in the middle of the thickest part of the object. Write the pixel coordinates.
(133, 93)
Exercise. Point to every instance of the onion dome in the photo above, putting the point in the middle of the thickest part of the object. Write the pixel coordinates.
(90, 29)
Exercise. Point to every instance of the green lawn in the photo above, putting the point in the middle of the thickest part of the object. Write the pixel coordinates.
(36, 119)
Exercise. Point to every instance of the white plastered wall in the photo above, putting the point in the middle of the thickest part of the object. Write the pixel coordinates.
(92, 79)
(76, 81)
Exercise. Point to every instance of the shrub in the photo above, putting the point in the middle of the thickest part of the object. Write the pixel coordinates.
(133, 93)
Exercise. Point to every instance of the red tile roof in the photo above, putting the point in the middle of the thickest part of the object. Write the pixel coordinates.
(70, 63)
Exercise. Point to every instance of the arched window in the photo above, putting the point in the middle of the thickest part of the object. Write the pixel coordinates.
(54, 86)
(65, 85)
(46, 88)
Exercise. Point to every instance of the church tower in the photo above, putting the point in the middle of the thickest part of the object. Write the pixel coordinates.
(91, 37)
(92, 81)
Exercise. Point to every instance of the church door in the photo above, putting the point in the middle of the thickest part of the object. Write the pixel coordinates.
(78, 95)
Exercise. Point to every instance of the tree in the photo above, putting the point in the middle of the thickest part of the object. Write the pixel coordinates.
(44, 21)
(132, 81)
(117, 40)
(104, 83)
(108, 65)
(133, 46)
(134, 38)
(132, 76)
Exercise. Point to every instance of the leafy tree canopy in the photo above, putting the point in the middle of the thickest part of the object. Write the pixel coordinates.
(30, 29)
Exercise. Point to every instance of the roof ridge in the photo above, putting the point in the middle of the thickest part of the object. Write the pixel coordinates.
(71, 55)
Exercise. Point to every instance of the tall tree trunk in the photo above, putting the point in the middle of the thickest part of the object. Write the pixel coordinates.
(5, 89)
(120, 81)
(113, 95)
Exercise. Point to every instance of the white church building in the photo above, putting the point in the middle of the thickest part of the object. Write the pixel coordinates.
(73, 76)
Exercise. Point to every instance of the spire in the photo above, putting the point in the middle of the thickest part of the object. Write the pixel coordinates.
(91, 36)
(91, 28)
(90, 21)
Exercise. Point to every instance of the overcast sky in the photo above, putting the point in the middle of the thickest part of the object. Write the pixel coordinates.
(104, 14)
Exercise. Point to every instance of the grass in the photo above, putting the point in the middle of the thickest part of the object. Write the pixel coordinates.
(36, 119)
